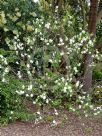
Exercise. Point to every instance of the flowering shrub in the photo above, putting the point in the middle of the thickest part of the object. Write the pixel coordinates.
(38, 58)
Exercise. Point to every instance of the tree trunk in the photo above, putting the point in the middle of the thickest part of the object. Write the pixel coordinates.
(92, 30)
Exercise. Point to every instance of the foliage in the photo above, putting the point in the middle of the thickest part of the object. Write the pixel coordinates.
(97, 73)
(10, 101)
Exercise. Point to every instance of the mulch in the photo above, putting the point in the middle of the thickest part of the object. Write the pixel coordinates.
(74, 126)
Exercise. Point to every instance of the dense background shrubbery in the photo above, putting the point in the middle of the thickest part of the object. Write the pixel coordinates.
(41, 59)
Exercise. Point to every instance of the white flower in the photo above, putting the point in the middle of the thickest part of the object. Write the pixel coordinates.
(34, 102)
(31, 95)
(56, 22)
(80, 97)
(1, 56)
(20, 92)
(16, 52)
(29, 56)
(11, 112)
(42, 39)
(86, 104)
(77, 83)
(3, 80)
(10, 118)
(69, 87)
(44, 97)
(27, 95)
(98, 112)
(50, 40)
(37, 62)
(38, 112)
(47, 25)
(62, 53)
(41, 85)
(86, 115)
(29, 73)
(56, 7)
(30, 87)
(5, 62)
(91, 106)
(56, 113)
(31, 61)
(80, 106)
(54, 122)
(90, 42)
(50, 60)
(19, 74)
(95, 114)
(6, 70)
(28, 65)
(61, 40)
(63, 79)
(23, 86)
(65, 89)
(36, 30)
(47, 101)
(36, 1)
(83, 31)
(71, 41)
(75, 69)
(59, 83)
(17, 62)
(47, 43)
(88, 2)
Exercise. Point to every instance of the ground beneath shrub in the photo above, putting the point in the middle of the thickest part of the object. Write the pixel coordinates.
(74, 126)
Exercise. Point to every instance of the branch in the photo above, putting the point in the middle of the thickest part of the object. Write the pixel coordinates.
(82, 4)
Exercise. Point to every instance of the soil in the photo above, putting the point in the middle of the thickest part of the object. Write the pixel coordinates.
(74, 126)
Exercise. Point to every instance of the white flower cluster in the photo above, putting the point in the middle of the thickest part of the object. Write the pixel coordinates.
(4, 67)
